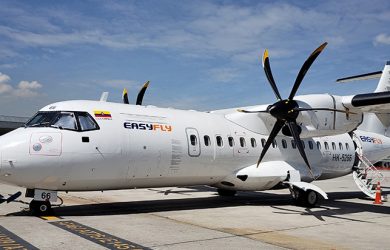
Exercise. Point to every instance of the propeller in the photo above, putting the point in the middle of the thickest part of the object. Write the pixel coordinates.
(287, 110)
(141, 93)
(125, 97)
(140, 96)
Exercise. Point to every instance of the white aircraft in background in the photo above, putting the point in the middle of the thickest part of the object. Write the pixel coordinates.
(98, 145)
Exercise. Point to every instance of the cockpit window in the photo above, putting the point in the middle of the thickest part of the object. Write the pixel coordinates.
(86, 122)
(41, 119)
(65, 120)
(77, 121)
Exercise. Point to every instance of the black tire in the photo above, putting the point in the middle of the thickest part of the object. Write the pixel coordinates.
(39, 208)
(311, 198)
(226, 192)
(307, 198)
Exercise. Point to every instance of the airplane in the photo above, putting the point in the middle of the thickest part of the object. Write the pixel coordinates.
(85, 145)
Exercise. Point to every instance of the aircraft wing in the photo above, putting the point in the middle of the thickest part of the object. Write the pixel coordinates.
(372, 102)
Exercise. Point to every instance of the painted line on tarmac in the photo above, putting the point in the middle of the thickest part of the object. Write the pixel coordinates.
(9, 240)
(50, 218)
(104, 239)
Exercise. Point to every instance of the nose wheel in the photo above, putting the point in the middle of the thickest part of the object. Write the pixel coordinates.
(39, 208)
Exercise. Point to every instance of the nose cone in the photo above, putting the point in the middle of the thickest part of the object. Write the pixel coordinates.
(12, 146)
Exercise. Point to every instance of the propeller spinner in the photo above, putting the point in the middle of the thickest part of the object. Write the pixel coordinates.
(287, 110)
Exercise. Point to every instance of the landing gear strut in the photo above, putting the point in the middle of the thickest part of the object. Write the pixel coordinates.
(39, 208)
(308, 198)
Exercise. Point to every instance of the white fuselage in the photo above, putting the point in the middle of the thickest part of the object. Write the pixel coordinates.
(138, 146)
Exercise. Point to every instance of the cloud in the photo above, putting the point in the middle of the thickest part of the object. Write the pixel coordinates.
(27, 89)
(119, 83)
(224, 75)
(23, 89)
(4, 87)
(382, 39)
(228, 30)
(4, 78)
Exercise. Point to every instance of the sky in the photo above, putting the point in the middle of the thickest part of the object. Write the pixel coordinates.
(202, 55)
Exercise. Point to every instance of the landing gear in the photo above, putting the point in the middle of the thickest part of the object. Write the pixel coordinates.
(226, 192)
(39, 208)
(307, 198)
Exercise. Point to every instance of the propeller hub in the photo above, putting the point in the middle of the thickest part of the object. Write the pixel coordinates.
(285, 110)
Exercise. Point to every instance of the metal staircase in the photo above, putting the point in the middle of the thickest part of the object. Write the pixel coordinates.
(366, 176)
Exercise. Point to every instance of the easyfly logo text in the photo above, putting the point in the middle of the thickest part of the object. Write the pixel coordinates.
(148, 126)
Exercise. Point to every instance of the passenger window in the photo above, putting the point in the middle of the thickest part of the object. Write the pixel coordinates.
(326, 146)
(274, 144)
(346, 146)
(333, 146)
(293, 144)
(263, 142)
(340, 146)
(284, 143)
(207, 141)
(86, 122)
(231, 141)
(318, 145)
(310, 144)
(242, 142)
(193, 140)
(219, 141)
(253, 142)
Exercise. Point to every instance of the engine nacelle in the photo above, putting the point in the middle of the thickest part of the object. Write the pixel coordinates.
(325, 122)
(313, 123)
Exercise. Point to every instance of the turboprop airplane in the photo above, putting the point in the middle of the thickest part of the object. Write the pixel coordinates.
(99, 145)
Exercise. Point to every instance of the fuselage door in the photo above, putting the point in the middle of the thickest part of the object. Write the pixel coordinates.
(193, 142)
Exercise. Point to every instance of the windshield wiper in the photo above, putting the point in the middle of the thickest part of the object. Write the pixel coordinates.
(56, 126)
(39, 124)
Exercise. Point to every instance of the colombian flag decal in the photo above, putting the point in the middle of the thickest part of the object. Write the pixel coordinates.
(102, 114)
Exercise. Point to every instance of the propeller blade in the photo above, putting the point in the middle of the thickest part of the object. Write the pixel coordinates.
(295, 133)
(275, 130)
(326, 109)
(268, 73)
(250, 111)
(305, 67)
(141, 93)
(125, 97)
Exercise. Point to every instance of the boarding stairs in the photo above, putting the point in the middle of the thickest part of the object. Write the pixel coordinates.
(367, 176)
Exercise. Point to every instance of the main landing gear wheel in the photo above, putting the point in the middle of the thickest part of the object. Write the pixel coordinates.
(39, 208)
(307, 198)
(226, 192)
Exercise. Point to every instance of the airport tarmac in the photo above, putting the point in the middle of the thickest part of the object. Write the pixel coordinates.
(197, 218)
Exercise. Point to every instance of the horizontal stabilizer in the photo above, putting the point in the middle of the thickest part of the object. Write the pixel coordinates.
(367, 76)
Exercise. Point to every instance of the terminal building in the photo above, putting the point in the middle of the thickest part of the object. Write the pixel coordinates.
(9, 123)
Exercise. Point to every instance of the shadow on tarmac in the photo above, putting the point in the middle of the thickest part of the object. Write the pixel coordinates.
(334, 207)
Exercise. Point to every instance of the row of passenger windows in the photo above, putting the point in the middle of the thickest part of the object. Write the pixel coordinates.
(253, 143)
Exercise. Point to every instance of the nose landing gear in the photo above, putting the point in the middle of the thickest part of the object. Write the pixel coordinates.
(40, 205)
(39, 208)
